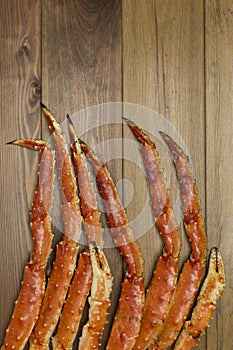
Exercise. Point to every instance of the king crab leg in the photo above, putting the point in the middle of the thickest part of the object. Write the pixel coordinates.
(210, 292)
(88, 201)
(126, 324)
(99, 300)
(67, 248)
(192, 272)
(81, 284)
(164, 279)
(30, 297)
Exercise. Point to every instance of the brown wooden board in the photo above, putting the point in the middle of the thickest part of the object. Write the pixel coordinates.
(219, 144)
(20, 117)
(170, 62)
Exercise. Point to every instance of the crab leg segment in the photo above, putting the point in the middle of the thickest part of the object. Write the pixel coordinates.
(81, 284)
(99, 300)
(68, 189)
(75, 301)
(56, 290)
(67, 249)
(192, 272)
(88, 202)
(211, 291)
(129, 311)
(30, 297)
(117, 219)
(163, 282)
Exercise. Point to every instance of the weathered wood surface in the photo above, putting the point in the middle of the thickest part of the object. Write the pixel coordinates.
(174, 58)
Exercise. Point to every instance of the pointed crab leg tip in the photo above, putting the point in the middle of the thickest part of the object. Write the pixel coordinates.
(17, 142)
(163, 134)
(43, 105)
(128, 121)
(11, 142)
(141, 137)
(70, 122)
(173, 146)
(30, 143)
(166, 137)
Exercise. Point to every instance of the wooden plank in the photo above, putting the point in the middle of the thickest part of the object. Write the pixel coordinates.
(20, 118)
(163, 57)
(81, 56)
(163, 75)
(163, 69)
(219, 145)
(139, 89)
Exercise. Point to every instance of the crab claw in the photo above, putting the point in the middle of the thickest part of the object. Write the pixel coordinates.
(99, 300)
(210, 293)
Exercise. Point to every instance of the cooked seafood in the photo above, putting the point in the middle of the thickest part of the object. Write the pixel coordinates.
(162, 321)
(193, 269)
(67, 249)
(28, 303)
(211, 291)
(163, 282)
(81, 284)
(129, 311)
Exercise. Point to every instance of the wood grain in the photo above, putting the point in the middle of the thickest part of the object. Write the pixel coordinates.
(170, 62)
(163, 68)
(20, 117)
(139, 88)
(219, 156)
(81, 68)
(167, 75)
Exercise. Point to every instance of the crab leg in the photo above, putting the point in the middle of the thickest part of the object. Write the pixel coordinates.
(211, 291)
(67, 249)
(192, 272)
(164, 279)
(129, 311)
(88, 201)
(81, 284)
(99, 300)
(30, 297)
(75, 301)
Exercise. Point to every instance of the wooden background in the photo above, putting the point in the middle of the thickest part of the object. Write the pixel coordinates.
(173, 56)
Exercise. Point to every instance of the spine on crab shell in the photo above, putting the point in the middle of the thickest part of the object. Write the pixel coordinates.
(32, 290)
(192, 271)
(211, 291)
(162, 285)
(127, 320)
(81, 284)
(66, 250)
(99, 299)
